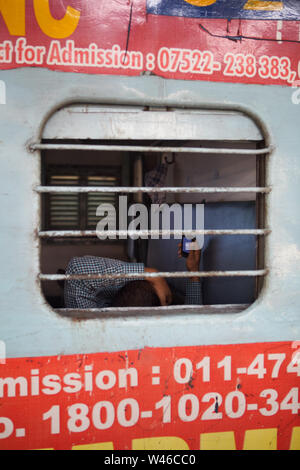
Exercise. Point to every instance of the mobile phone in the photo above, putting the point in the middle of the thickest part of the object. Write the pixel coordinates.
(185, 246)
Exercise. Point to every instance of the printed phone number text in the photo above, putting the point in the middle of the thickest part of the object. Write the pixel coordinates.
(195, 61)
(188, 408)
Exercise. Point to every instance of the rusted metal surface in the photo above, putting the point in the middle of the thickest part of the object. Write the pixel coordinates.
(151, 233)
(96, 122)
(79, 277)
(148, 189)
(144, 148)
(114, 312)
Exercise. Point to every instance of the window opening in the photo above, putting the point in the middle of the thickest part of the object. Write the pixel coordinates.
(198, 171)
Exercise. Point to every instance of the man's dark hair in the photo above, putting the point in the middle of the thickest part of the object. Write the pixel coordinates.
(136, 294)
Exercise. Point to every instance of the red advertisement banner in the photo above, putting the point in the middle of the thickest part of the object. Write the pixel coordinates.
(235, 397)
(123, 38)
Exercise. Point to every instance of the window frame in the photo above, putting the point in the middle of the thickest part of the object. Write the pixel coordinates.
(266, 150)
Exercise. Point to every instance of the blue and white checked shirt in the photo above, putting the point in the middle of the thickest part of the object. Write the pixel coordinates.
(193, 292)
(98, 293)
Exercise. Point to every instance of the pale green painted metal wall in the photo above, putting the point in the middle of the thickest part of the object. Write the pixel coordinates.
(29, 327)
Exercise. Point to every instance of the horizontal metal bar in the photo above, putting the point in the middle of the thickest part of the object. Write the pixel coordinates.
(103, 312)
(151, 233)
(142, 148)
(184, 274)
(206, 309)
(146, 189)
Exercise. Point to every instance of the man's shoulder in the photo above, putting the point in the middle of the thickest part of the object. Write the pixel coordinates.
(92, 263)
(84, 263)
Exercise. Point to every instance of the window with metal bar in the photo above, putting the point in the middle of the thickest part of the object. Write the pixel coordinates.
(65, 191)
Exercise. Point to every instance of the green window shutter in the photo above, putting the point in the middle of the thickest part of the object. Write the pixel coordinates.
(95, 199)
(64, 207)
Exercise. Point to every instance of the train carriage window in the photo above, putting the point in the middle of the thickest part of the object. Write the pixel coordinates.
(98, 154)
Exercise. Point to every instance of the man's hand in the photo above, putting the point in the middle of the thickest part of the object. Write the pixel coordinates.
(192, 261)
(161, 287)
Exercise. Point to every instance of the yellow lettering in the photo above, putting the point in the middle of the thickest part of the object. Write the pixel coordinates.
(160, 443)
(260, 439)
(217, 441)
(263, 5)
(295, 439)
(53, 28)
(13, 13)
(201, 3)
(97, 446)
